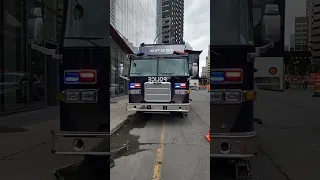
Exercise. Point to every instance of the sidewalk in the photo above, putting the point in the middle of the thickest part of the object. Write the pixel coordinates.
(32, 141)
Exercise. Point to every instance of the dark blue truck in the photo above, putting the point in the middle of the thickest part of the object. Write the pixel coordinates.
(159, 79)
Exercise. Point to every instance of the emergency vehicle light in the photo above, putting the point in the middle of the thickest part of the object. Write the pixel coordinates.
(134, 85)
(87, 76)
(140, 54)
(180, 85)
(179, 52)
(222, 76)
(80, 76)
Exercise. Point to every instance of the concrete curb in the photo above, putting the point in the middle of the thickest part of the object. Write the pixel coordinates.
(120, 125)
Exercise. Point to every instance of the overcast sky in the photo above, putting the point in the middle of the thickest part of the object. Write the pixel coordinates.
(197, 23)
(197, 26)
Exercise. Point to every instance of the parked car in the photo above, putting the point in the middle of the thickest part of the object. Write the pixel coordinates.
(116, 89)
(15, 86)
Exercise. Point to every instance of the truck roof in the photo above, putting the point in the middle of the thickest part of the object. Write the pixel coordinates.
(161, 49)
(160, 56)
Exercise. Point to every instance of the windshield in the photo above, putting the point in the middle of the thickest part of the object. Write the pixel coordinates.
(161, 67)
(142, 67)
(173, 67)
(87, 25)
(231, 23)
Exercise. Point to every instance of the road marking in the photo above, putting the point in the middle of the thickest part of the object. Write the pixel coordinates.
(159, 156)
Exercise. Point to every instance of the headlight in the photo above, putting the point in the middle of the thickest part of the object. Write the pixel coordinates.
(226, 96)
(72, 96)
(180, 91)
(88, 96)
(216, 96)
(235, 96)
(135, 91)
(81, 96)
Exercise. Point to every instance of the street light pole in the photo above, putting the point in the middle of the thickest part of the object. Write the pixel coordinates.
(159, 35)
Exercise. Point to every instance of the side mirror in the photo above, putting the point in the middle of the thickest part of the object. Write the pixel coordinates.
(271, 28)
(195, 69)
(271, 22)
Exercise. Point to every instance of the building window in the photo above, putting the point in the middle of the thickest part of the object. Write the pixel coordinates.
(26, 73)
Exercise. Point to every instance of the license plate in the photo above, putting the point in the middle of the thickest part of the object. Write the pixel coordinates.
(180, 91)
(135, 91)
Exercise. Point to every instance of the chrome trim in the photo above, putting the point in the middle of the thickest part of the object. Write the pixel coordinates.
(149, 86)
(241, 144)
(63, 142)
(234, 135)
(185, 107)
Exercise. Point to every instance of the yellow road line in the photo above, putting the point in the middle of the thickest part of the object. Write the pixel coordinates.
(159, 156)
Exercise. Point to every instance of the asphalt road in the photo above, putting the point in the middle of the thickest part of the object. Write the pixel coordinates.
(289, 137)
(164, 146)
(287, 140)
(286, 145)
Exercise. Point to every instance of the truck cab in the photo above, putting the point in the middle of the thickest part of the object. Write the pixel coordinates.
(159, 79)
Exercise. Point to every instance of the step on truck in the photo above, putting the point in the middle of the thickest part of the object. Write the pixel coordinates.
(159, 78)
(233, 49)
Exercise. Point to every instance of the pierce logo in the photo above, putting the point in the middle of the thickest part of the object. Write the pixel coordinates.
(157, 79)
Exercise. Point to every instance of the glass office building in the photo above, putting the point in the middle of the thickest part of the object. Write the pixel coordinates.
(133, 22)
(22, 69)
(24, 72)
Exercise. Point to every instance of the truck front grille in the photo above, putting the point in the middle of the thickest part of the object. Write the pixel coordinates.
(157, 92)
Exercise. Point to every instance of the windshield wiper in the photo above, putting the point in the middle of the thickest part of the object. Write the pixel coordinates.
(138, 73)
(166, 73)
(84, 38)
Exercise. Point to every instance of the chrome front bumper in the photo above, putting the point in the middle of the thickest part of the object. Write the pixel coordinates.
(241, 145)
(93, 143)
(150, 107)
